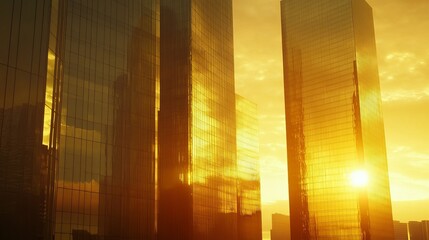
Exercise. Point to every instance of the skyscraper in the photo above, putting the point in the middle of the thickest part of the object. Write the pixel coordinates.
(30, 82)
(106, 175)
(335, 131)
(79, 122)
(249, 221)
(197, 142)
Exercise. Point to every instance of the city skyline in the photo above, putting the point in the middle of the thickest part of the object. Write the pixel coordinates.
(258, 74)
(80, 151)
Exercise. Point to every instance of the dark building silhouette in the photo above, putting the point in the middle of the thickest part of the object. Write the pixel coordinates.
(197, 142)
(400, 230)
(418, 230)
(426, 229)
(106, 176)
(83, 235)
(249, 221)
(280, 229)
(334, 122)
(30, 80)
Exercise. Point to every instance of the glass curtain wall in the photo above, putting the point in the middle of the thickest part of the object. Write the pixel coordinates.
(334, 122)
(106, 177)
(197, 162)
(31, 43)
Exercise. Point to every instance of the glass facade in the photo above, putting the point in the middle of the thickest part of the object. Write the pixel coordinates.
(106, 176)
(197, 134)
(249, 221)
(334, 121)
(80, 87)
(30, 86)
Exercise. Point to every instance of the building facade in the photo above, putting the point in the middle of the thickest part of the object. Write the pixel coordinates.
(418, 230)
(30, 86)
(280, 229)
(107, 171)
(334, 122)
(426, 228)
(79, 122)
(197, 138)
(400, 230)
(249, 222)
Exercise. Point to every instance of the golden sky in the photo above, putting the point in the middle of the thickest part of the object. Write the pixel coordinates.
(402, 36)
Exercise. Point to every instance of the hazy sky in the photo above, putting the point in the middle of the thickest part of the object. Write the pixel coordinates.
(402, 36)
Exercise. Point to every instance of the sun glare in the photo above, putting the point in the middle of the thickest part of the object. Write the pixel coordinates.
(359, 178)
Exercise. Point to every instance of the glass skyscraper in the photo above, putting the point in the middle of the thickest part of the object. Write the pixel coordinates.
(30, 86)
(334, 122)
(197, 135)
(106, 175)
(83, 153)
(249, 191)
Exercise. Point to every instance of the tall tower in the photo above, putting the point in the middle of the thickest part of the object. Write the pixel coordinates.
(335, 131)
(106, 175)
(31, 40)
(197, 144)
(249, 220)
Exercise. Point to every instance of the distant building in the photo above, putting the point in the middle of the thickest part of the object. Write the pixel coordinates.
(400, 230)
(280, 229)
(249, 224)
(425, 226)
(419, 230)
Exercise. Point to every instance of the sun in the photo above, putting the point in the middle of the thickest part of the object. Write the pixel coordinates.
(359, 178)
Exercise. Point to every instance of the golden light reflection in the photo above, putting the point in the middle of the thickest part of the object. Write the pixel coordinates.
(48, 98)
(359, 178)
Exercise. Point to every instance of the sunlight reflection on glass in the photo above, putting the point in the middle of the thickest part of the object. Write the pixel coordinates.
(359, 178)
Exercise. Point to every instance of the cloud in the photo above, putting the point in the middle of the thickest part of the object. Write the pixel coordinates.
(405, 95)
(406, 124)
(408, 188)
(404, 75)
(259, 77)
(407, 162)
(402, 48)
(401, 37)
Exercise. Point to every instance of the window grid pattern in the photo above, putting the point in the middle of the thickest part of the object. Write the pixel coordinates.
(333, 119)
(249, 191)
(30, 78)
(197, 121)
(106, 174)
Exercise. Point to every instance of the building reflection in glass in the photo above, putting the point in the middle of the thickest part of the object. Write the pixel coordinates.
(197, 144)
(30, 80)
(106, 176)
(334, 121)
(249, 193)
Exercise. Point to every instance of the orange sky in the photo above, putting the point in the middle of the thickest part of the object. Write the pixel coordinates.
(402, 38)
